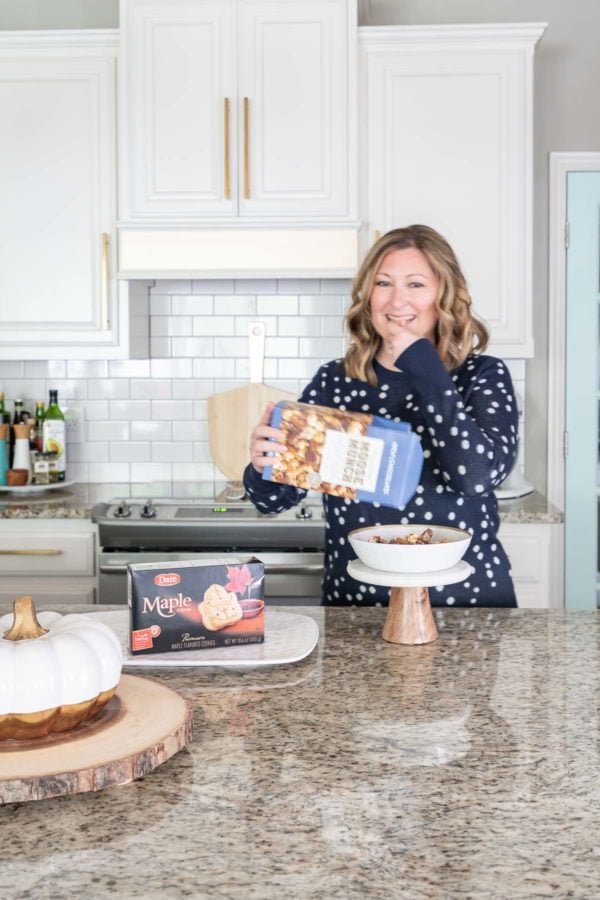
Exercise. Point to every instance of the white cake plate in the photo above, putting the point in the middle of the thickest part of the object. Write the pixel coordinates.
(409, 618)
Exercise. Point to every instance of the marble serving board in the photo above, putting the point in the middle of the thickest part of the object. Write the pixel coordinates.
(289, 637)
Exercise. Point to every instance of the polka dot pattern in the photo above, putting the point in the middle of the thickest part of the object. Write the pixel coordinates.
(467, 423)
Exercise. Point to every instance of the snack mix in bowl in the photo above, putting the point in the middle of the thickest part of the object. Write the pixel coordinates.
(404, 549)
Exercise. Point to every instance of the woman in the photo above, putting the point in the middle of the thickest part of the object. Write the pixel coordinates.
(415, 356)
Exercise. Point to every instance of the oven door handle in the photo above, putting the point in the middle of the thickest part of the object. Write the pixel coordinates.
(113, 570)
(293, 568)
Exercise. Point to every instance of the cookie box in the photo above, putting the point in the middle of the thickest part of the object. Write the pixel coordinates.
(195, 605)
(355, 456)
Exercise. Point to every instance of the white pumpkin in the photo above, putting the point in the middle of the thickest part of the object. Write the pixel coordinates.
(52, 663)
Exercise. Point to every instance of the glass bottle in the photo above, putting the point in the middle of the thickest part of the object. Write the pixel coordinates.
(5, 420)
(53, 431)
(36, 438)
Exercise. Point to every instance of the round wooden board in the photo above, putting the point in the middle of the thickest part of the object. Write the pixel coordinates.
(142, 726)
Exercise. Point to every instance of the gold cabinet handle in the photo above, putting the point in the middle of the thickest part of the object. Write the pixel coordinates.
(246, 148)
(227, 187)
(104, 282)
(377, 234)
(30, 552)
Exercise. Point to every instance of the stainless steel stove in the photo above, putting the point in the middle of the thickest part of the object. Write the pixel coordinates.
(153, 530)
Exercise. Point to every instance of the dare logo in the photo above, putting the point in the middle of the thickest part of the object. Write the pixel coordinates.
(167, 579)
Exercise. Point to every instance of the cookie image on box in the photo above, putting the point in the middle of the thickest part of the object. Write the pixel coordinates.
(219, 608)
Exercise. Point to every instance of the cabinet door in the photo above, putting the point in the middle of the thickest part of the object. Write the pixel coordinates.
(58, 198)
(179, 137)
(448, 143)
(293, 108)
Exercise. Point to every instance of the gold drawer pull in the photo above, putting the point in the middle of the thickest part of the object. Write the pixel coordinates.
(246, 148)
(30, 552)
(377, 234)
(226, 161)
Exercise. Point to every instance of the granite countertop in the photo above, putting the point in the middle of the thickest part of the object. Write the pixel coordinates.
(76, 502)
(465, 768)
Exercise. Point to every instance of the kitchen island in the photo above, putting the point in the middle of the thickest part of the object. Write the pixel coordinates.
(465, 768)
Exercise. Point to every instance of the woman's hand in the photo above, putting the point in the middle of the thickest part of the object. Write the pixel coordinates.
(265, 440)
(394, 343)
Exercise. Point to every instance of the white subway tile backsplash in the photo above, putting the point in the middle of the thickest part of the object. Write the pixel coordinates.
(171, 368)
(151, 431)
(86, 368)
(193, 388)
(108, 389)
(170, 326)
(214, 286)
(160, 346)
(129, 368)
(130, 409)
(108, 431)
(255, 286)
(172, 410)
(212, 326)
(322, 305)
(277, 306)
(191, 346)
(146, 420)
(208, 367)
(192, 305)
(298, 326)
(326, 348)
(231, 347)
(151, 388)
(232, 305)
(130, 451)
(298, 285)
(182, 451)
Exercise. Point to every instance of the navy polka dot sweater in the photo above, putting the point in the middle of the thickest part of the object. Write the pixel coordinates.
(467, 420)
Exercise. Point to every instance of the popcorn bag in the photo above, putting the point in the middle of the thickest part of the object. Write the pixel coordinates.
(351, 455)
(195, 605)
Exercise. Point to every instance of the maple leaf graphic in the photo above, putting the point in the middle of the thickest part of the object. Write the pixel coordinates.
(239, 579)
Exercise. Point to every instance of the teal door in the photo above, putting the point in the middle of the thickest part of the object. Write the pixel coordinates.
(582, 390)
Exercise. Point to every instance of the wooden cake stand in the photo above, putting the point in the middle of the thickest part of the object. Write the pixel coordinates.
(143, 725)
(409, 619)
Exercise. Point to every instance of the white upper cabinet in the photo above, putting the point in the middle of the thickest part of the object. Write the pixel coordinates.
(446, 119)
(237, 109)
(58, 296)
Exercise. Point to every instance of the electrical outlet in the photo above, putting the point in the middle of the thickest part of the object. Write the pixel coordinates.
(74, 419)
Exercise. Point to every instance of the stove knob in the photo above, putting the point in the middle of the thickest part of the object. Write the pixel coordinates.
(122, 511)
(304, 512)
(148, 510)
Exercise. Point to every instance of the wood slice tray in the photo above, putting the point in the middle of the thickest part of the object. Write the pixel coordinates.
(142, 726)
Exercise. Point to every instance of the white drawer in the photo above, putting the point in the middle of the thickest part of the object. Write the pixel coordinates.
(47, 553)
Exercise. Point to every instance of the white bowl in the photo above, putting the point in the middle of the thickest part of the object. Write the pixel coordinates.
(403, 558)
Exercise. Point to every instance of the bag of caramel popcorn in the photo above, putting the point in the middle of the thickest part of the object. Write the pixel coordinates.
(351, 455)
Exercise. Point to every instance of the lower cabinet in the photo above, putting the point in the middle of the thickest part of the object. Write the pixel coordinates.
(535, 552)
(52, 560)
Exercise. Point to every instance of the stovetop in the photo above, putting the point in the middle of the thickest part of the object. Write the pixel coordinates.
(228, 520)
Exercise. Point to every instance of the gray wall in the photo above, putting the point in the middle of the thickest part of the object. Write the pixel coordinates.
(567, 73)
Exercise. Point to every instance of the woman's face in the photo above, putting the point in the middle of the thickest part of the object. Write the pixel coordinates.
(403, 296)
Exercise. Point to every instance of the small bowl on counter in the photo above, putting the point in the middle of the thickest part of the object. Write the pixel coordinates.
(373, 546)
(17, 477)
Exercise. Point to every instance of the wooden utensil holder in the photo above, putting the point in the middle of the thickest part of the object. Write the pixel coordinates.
(409, 618)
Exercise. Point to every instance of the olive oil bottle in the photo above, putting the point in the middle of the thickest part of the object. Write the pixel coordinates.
(54, 437)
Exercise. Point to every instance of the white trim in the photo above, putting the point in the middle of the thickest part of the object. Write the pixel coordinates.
(561, 163)
(58, 39)
(522, 34)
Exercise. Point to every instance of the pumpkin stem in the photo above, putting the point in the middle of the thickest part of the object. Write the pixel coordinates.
(25, 624)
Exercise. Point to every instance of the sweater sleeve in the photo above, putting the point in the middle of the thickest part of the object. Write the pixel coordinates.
(472, 431)
(269, 496)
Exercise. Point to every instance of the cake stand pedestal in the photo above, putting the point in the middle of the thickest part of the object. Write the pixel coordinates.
(409, 619)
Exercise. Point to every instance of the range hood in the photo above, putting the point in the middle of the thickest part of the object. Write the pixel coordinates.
(272, 250)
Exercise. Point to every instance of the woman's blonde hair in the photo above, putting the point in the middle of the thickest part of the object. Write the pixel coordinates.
(457, 332)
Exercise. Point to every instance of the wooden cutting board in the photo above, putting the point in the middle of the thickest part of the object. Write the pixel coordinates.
(143, 725)
(232, 415)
